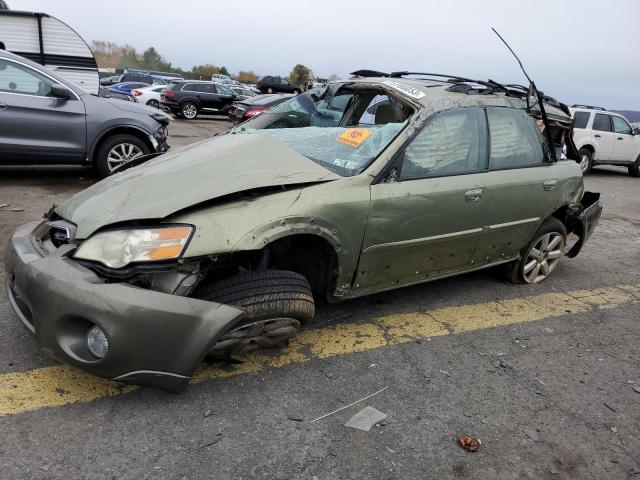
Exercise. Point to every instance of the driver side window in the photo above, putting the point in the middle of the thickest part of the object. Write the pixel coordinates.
(16, 78)
(620, 125)
(452, 142)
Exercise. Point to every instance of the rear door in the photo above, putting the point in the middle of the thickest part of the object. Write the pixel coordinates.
(521, 187)
(627, 145)
(427, 222)
(34, 126)
(603, 137)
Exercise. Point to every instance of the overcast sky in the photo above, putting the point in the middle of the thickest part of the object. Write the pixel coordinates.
(579, 51)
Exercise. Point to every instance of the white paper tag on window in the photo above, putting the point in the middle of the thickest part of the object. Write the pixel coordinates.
(406, 89)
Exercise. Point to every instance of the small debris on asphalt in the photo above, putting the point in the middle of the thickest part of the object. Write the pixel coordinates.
(207, 413)
(614, 429)
(444, 372)
(532, 434)
(328, 375)
(469, 443)
(609, 407)
(504, 364)
(636, 389)
(295, 418)
(390, 449)
(365, 419)
(16, 209)
(347, 406)
(210, 439)
(2, 205)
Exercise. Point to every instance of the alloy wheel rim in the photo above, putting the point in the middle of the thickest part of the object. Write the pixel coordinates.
(584, 162)
(189, 111)
(543, 257)
(154, 103)
(121, 154)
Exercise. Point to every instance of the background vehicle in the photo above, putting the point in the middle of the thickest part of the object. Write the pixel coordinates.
(605, 138)
(127, 87)
(106, 92)
(45, 119)
(134, 77)
(149, 95)
(189, 98)
(242, 92)
(50, 42)
(224, 79)
(245, 109)
(271, 84)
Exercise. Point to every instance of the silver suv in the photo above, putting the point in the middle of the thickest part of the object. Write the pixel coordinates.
(45, 119)
(605, 138)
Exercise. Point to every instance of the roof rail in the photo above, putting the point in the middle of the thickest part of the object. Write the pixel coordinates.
(369, 73)
(590, 107)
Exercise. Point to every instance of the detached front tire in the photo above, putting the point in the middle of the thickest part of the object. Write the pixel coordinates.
(541, 256)
(118, 150)
(277, 303)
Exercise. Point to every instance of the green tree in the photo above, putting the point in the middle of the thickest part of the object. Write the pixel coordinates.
(247, 77)
(300, 75)
(223, 71)
(204, 72)
(152, 60)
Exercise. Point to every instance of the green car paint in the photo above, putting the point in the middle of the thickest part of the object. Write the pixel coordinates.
(244, 192)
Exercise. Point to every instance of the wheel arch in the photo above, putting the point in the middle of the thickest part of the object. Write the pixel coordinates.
(119, 130)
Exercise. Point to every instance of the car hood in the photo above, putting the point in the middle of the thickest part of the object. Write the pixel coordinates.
(131, 107)
(204, 171)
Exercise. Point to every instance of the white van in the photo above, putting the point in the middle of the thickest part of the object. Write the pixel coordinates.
(49, 42)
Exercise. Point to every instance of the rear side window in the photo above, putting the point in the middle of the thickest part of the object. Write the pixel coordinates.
(580, 119)
(514, 139)
(602, 123)
(451, 143)
(194, 87)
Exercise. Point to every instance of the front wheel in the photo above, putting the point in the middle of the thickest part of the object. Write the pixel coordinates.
(118, 150)
(634, 168)
(189, 110)
(269, 90)
(586, 160)
(153, 103)
(276, 303)
(541, 256)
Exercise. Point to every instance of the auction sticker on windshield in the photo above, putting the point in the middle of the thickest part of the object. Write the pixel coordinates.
(354, 136)
(406, 89)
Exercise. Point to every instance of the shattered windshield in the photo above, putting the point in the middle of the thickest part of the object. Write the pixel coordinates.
(342, 129)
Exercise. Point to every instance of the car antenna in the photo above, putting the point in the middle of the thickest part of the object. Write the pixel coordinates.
(534, 90)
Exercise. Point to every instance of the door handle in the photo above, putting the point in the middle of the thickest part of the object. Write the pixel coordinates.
(549, 185)
(620, 138)
(597, 136)
(3, 106)
(473, 195)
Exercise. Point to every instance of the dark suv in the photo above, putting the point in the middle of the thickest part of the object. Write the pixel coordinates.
(190, 97)
(271, 84)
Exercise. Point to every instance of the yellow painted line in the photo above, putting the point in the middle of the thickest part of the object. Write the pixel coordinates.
(62, 385)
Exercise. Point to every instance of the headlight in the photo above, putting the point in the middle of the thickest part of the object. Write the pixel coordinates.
(118, 248)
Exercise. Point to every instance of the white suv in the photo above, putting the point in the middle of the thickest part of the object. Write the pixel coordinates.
(605, 138)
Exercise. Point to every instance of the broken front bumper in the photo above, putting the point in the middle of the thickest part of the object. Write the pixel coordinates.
(155, 339)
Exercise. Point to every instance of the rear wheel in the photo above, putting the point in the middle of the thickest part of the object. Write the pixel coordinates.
(277, 303)
(118, 150)
(541, 256)
(634, 168)
(153, 103)
(189, 110)
(586, 160)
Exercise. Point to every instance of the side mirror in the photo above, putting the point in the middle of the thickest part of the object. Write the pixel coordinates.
(635, 131)
(60, 91)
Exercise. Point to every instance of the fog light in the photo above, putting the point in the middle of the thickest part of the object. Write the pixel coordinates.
(97, 342)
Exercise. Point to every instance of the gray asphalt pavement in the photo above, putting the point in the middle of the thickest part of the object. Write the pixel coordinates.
(552, 396)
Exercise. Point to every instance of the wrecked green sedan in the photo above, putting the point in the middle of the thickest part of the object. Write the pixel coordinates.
(367, 185)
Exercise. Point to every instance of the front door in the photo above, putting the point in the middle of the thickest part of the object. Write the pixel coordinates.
(426, 221)
(627, 145)
(34, 126)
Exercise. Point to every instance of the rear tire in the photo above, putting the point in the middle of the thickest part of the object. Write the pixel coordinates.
(189, 110)
(105, 160)
(153, 103)
(537, 261)
(586, 160)
(634, 168)
(276, 302)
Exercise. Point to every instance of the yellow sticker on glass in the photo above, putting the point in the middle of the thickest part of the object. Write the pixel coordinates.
(354, 136)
